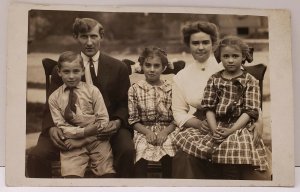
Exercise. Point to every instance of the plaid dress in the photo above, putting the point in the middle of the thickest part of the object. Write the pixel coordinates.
(228, 99)
(151, 106)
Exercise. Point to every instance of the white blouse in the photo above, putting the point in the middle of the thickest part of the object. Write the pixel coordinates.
(188, 88)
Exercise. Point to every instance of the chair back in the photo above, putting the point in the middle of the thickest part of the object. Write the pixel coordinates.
(258, 71)
(49, 65)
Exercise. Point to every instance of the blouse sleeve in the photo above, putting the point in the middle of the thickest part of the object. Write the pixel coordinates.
(210, 98)
(180, 107)
(133, 106)
(252, 99)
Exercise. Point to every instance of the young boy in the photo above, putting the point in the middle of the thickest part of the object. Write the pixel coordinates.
(78, 104)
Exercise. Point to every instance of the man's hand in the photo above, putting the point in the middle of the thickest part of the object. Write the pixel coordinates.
(57, 137)
(113, 125)
(111, 129)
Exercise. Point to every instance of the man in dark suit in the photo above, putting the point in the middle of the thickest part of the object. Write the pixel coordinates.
(111, 77)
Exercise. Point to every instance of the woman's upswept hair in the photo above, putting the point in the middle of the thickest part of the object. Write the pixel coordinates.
(200, 26)
(237, 43)
(84, 25)
(153, 51)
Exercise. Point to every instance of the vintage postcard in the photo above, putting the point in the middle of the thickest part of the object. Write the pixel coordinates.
(120, 96)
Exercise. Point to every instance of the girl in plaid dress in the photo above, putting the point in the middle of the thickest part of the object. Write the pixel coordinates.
(232, 103)
(149, 104)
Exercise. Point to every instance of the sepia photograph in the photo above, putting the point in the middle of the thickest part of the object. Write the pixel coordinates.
(177, 98)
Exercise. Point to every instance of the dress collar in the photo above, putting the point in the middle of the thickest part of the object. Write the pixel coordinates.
(166, 86)
(220, 75)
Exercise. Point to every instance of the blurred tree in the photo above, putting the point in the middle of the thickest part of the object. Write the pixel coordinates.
(38, 26)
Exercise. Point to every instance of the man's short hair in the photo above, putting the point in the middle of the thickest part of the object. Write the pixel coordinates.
(84, 25)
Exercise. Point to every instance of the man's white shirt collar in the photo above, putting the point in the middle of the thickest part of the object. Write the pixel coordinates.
(86, 58)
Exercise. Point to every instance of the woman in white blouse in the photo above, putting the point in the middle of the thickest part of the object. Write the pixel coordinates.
(187, 91)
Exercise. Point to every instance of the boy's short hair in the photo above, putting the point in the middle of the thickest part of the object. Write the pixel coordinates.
(84, 25)
(69, 56)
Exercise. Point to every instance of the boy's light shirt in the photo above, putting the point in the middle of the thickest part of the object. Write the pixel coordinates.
(90, 107)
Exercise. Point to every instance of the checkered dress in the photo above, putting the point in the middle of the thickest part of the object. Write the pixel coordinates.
(229, 99)
(151, 106)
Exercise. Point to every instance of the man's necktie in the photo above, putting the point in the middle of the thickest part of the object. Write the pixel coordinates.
(92, 70)
(70, 108)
